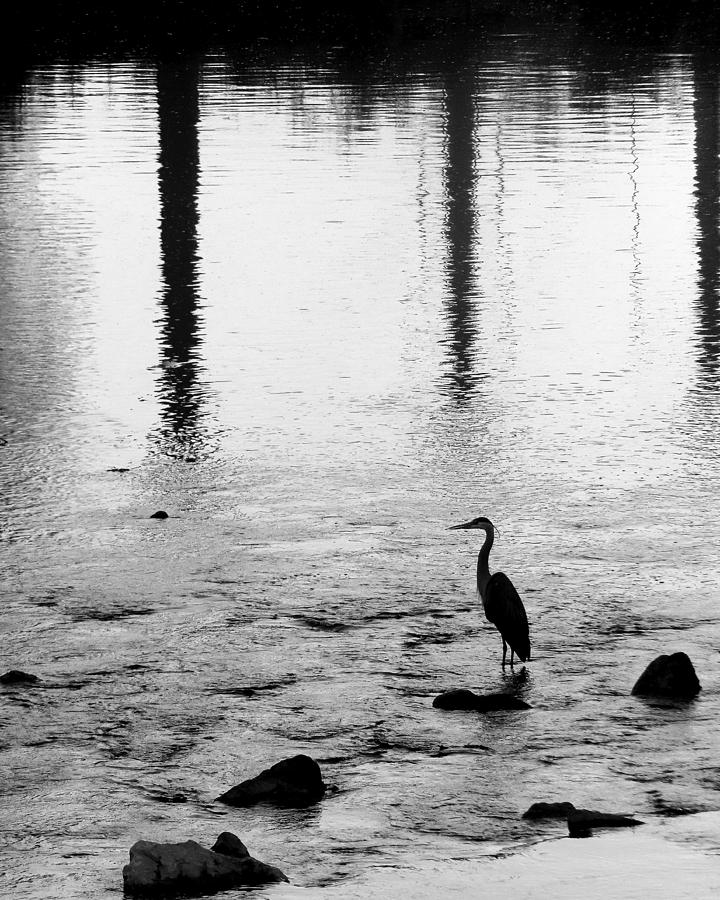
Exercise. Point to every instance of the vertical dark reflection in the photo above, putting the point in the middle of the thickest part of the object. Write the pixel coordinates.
(460, 226)
(707, 207)
(179, 388)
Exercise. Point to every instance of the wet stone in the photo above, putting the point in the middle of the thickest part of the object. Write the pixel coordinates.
(293, 782)
(465, 699)
(582, 821)
(188, 869)
(549, 810)
(160, 514)
(669, 676)
(15, 676)
(229, 844)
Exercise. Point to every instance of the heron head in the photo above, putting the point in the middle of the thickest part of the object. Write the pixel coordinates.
(479, 522)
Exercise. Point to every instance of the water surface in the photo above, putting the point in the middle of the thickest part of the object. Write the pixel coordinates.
(319, 307)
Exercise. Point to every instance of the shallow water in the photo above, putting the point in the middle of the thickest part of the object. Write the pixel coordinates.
(319, 308)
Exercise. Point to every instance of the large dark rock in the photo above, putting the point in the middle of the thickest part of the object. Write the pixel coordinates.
(549, 810)
(582, 821)
(191, 870)
(465, 699)
(669, 676)
(15, 676)
(293, 782)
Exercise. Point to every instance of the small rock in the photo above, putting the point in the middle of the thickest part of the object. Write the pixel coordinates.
(292, 782)
(669, 676)
(229, 844)
(465, 699)
(457, 699)
(582, 821)
(15, 676)
(160, 514)
(548, 810)
(192, 870)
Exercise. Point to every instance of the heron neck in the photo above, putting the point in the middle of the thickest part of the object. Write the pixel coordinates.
(483, 567)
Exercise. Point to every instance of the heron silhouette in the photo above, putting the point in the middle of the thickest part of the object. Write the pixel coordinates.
(501, 602)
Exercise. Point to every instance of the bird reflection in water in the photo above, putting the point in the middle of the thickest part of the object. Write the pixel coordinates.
(181, 432)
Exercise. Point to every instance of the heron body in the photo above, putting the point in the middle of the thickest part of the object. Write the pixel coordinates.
(501, 602)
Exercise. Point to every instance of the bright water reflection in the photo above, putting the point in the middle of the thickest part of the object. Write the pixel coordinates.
(319, 310)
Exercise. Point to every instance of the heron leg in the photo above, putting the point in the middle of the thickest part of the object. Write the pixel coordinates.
(504, 652)
(512, 657)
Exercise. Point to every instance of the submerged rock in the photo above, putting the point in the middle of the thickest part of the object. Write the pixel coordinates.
(465, 699)
(15, 676)
(669, 676)
(549, 810)
(292, 782)
(160, 514)
(192, 870)
(582, 821)
(169, 798)
(671, 809)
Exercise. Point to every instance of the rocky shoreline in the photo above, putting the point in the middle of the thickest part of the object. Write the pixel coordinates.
(187, 868)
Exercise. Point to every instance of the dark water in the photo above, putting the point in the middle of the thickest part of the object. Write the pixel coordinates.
(319, 308)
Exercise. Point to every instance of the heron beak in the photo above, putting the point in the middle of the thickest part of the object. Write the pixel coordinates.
(464, 525)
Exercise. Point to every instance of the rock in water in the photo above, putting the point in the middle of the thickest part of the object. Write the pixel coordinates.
(292, 782)
(15, 676)
(581, 821)
(669, 676)
(457, 699)
(549, 810)
(230, 844)
(465, 699)
(490, 702)
(160, 514)
(192, 870)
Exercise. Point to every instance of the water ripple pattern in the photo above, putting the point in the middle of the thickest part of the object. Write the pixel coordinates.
(318, 308)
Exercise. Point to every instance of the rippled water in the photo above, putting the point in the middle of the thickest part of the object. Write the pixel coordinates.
(318, 308)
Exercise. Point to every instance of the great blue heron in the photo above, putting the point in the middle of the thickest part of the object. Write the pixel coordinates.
(501, 602)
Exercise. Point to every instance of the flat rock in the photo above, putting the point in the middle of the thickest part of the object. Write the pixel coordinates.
(582, 821)
(669, 676)
(15, 676)
(189, 869)
(292, 782)
(549, 810)
(465, 699)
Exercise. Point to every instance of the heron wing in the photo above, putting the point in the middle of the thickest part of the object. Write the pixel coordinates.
(504, 608)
